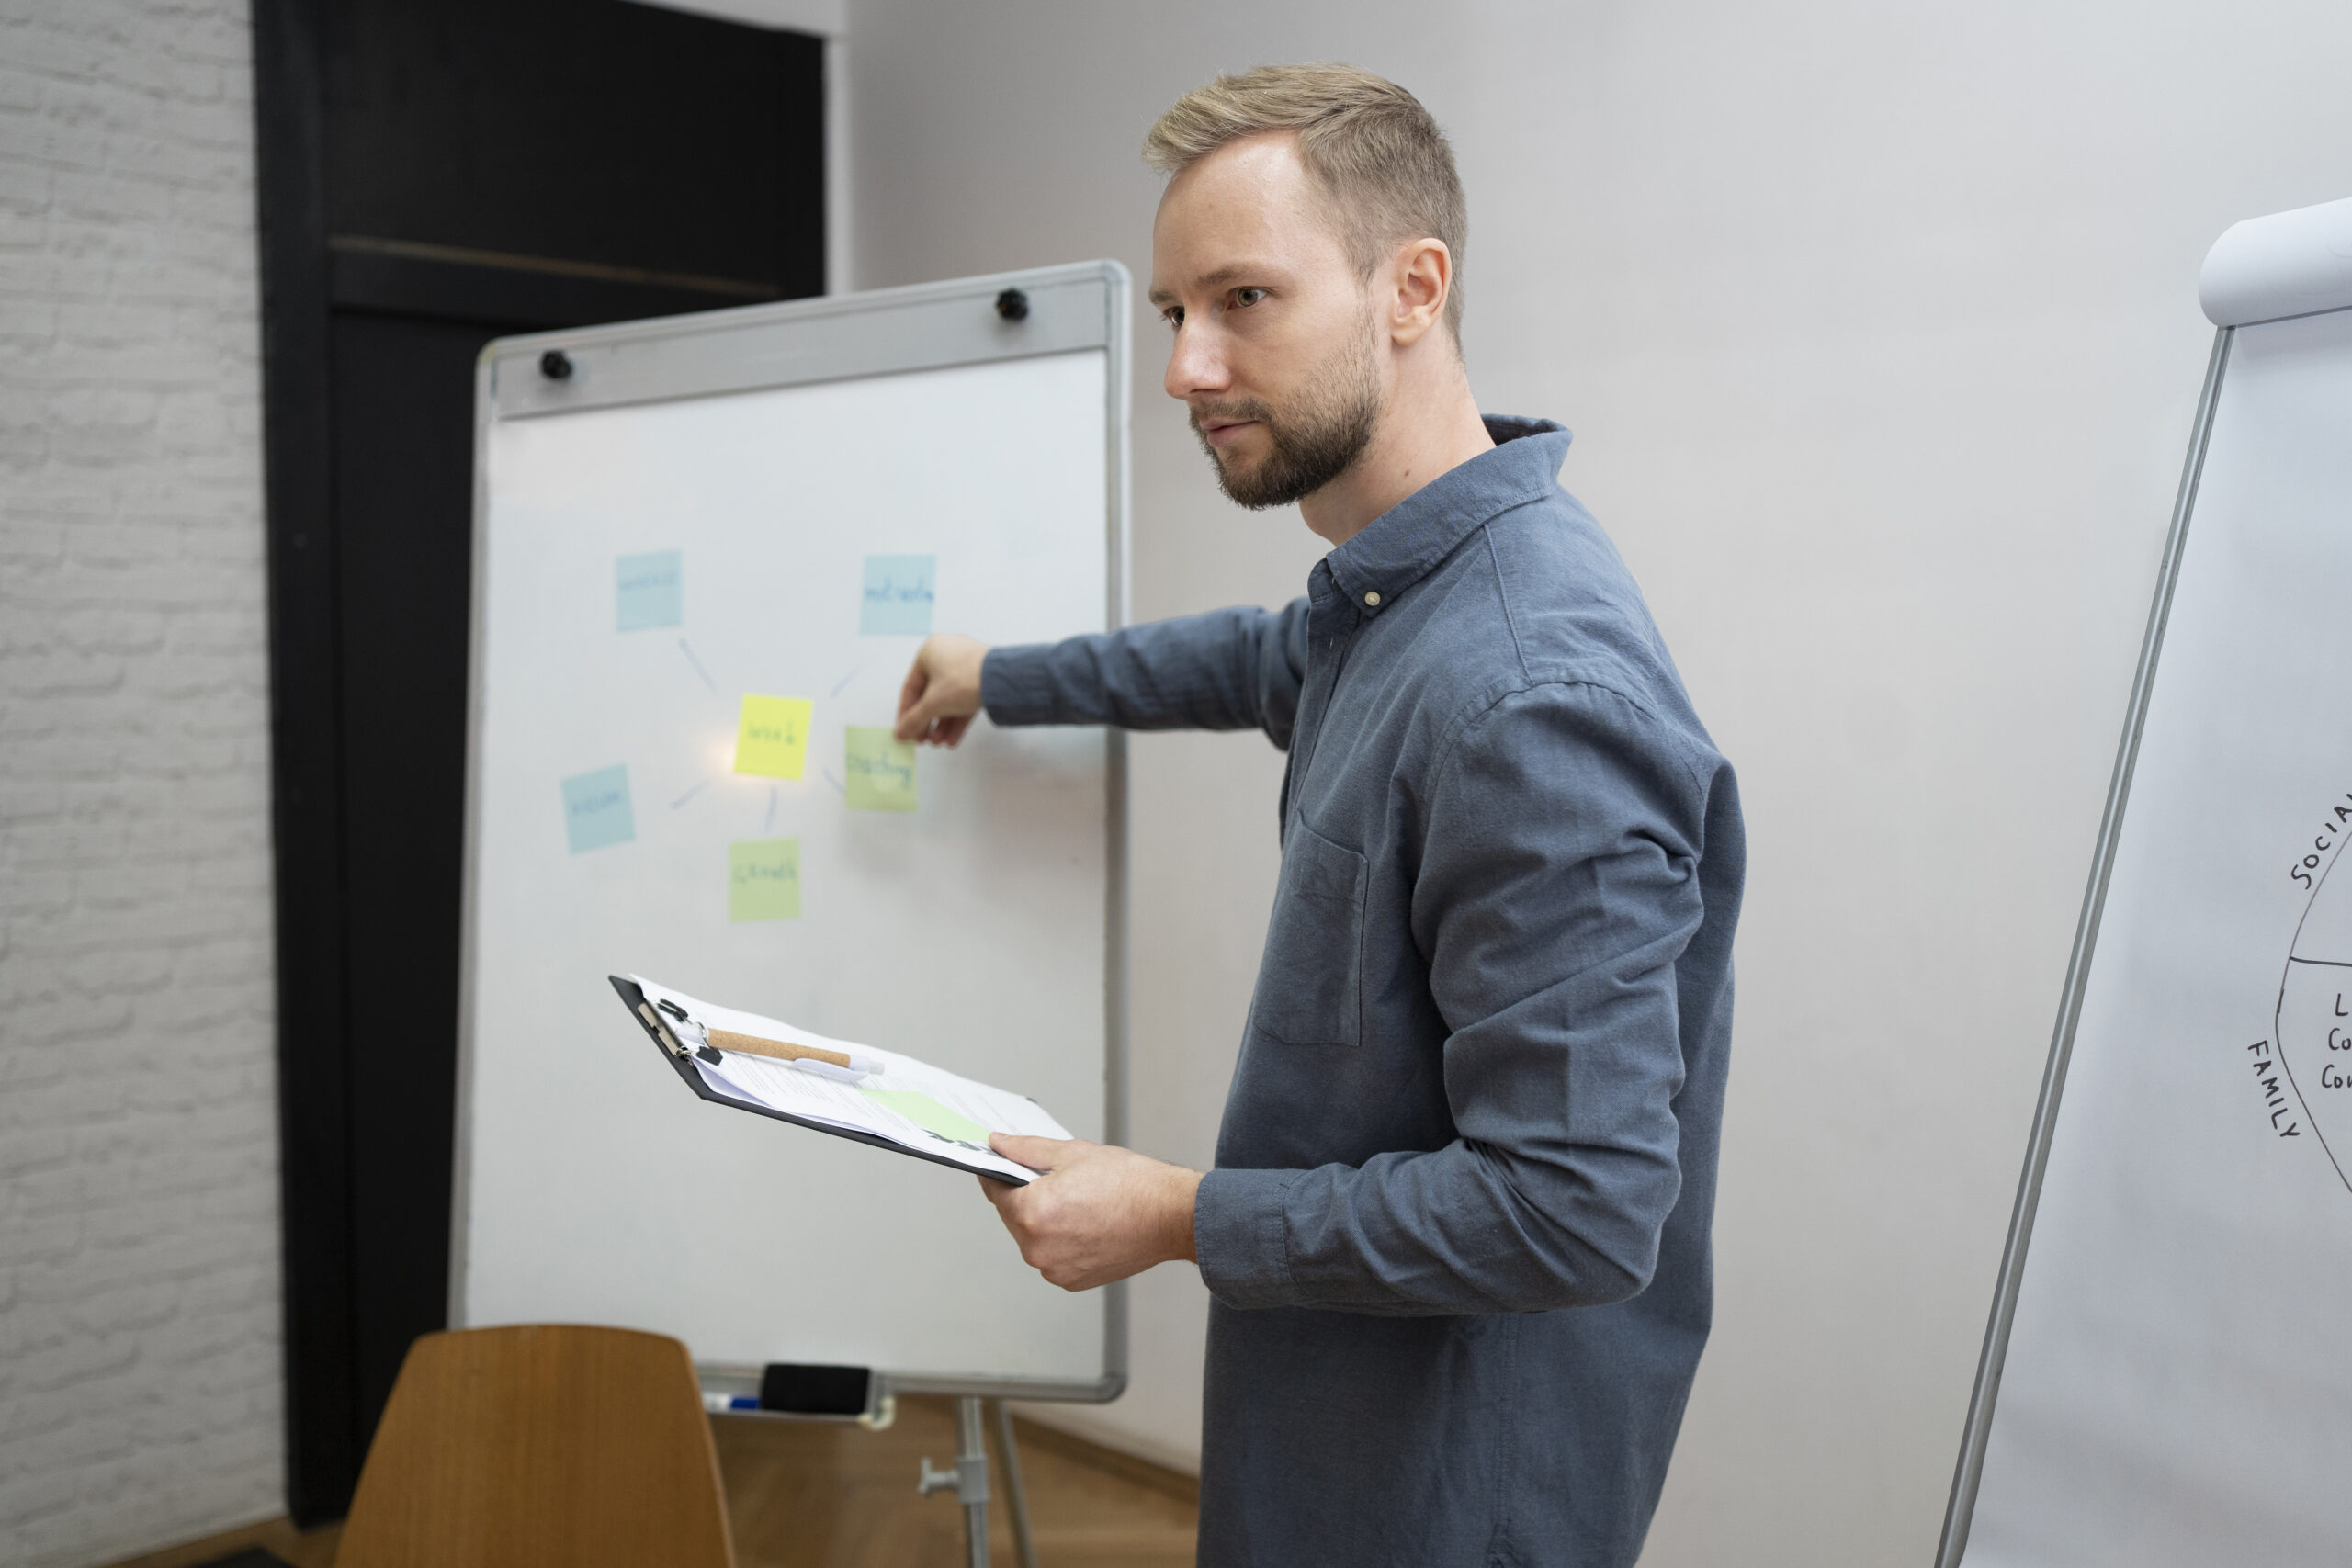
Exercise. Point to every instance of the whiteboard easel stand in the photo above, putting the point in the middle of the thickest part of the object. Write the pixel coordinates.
(971, 1480)
(1982, 1397)
(970, 1477)
(1041, 312)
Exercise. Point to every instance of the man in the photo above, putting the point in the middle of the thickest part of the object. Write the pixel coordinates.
(1457, 1230)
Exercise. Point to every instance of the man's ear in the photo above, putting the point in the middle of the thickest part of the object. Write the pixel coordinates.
(1423, 272)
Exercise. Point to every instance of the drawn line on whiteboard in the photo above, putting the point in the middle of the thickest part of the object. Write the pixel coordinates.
(769, 831)
(2330, 963)
(690, 794)
(699, 669)
(846, 680)
(838, 787)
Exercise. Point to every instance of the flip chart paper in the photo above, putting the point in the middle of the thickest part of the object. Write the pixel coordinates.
(879, 769)
(652, 590)
(898, 596)
(772, 738)
(763, 879)
(596, 811)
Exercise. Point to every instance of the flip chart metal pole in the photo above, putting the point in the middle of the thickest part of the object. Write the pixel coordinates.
(1960, 1511)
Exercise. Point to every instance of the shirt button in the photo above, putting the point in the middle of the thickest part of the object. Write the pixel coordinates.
(1372, 597)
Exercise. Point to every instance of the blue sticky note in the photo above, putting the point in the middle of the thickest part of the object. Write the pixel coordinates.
(652, 590)
(898, 596)
(595, 810)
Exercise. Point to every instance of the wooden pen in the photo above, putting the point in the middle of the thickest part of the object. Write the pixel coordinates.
(783, 1051)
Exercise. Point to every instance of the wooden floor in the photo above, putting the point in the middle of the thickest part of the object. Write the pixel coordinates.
(804, 1495)
(304, 1549)
(809, 1494)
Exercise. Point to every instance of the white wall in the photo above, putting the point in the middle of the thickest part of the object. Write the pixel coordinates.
(139, 1321)
(1877, 327)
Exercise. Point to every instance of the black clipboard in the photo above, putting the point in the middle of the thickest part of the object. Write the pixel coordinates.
(633, 998)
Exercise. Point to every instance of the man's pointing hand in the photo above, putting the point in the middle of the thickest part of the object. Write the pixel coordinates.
(942, 691)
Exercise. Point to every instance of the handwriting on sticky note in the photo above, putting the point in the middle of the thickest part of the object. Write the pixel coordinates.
(596, 811)
(763, 880)
(878, 769)
(650, 590)
(929, 1114)
(898, 596)
(772, 737)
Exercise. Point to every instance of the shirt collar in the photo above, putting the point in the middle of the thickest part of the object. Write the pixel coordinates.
(1405, 543)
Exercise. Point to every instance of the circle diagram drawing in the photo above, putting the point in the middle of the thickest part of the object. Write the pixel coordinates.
(2314, 1023)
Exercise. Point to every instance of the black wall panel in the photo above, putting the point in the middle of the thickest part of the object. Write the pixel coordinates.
(434, 175)
(612, 133)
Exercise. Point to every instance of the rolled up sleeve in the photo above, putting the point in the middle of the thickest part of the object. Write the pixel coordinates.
(1557, 886)
(1237, 669)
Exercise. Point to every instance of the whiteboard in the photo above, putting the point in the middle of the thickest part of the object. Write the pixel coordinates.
(2163, 1383)
(776, 504)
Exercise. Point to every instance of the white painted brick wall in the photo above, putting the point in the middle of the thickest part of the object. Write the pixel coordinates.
(139, 1376)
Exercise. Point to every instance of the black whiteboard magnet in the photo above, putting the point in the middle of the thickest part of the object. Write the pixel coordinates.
(556, 365)
(1012, 305)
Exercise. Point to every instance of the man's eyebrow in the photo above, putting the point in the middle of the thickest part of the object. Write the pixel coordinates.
(1233, 272)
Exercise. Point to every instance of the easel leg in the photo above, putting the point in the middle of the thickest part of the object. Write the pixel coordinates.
(971, 1480)
(1016, 1497)
(972, 1461)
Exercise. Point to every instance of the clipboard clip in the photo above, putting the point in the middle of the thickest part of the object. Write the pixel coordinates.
(669, 1042)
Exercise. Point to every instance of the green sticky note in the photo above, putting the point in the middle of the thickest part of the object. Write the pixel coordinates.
(772, 738)
(880, 770)
(763, 880)
(929, 1114)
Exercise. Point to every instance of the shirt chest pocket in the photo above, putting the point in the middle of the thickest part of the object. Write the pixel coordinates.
(1310, 983)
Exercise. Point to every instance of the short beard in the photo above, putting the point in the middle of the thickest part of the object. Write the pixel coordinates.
(1313, 444)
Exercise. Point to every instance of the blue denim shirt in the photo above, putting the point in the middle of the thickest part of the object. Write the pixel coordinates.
(1457, 1231)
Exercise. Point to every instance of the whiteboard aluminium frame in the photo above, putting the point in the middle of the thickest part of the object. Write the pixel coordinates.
(1970, 1473)
(888, 332)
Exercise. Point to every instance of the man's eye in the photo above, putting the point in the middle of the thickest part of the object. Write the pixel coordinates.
(1245, 297)
(1173, 315)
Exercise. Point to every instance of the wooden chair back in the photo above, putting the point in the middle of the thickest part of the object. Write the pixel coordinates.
(547, 1445)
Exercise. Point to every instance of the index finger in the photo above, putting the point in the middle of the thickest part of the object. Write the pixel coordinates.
(910, 690)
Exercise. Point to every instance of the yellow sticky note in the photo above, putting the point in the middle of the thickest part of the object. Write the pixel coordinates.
(772, 738)
(879, 769)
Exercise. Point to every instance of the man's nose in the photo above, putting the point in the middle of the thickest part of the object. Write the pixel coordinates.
(1193, 365)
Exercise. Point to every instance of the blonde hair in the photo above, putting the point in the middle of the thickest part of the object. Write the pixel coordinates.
(1366, 141)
